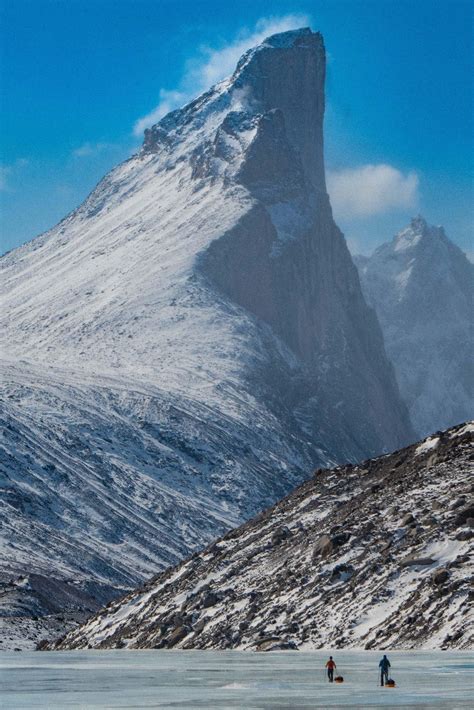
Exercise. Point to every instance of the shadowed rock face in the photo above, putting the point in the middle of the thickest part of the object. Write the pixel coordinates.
(288, 72)
(287, 262)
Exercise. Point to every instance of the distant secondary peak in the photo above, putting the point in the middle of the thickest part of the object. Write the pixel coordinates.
(419, 224)
(418, 231)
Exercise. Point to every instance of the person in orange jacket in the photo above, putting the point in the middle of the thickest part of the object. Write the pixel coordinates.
(330, 665)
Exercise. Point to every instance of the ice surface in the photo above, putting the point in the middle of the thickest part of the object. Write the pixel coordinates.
(232, 679)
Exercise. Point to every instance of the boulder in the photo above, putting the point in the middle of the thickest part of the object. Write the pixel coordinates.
(343, 571)
(209, 599)
(340, 539)
(276, 644)
(280, 535)
(177, 635)
(464, 515)
(199, 626)
(323, 546)
(440, 576)
(464, 535)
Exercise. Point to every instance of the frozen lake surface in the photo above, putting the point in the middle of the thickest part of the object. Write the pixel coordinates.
(231, 679)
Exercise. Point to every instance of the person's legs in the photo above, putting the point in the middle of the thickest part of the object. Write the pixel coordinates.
(330, 674)
(381, 677)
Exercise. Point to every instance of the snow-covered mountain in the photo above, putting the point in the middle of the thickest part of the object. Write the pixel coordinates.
(377, 555)
(422, 287)
(190, 342)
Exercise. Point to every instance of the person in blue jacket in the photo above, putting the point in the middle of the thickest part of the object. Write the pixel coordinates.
(384, 665)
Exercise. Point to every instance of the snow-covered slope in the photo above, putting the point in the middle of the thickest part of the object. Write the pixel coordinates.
(184, 347)
(374, 555)
(422, 287)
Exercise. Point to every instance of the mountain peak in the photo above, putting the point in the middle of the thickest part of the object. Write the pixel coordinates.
(291, 38)
(192, 363)
(301, 37)
(418, 224)
(287, 72)
(417, 231)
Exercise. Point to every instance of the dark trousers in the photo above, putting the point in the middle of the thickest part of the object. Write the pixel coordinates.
(331, 674)
(383, 676)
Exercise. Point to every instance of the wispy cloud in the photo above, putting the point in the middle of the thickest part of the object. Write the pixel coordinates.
(213, 65)
(89, 149)
(371, 189)
(6, 171)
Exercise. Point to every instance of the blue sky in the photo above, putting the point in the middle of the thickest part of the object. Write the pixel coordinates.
(79, 76)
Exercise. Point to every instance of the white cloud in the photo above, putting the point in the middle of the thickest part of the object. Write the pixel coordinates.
(215, 65)
(371, 189)
(88, 149)
(169, 100)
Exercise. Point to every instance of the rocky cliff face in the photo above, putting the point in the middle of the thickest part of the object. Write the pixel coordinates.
(287, 263)
(422, 287)
(377, 555)
(192, 340)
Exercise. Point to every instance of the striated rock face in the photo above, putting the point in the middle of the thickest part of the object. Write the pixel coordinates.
(377, 555)
(422, 287)
(192, 340)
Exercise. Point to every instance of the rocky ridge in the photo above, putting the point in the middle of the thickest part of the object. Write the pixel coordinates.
(377, 555)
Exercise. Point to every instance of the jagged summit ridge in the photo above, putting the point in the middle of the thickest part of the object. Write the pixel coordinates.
(417, 231)
(287, 72)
